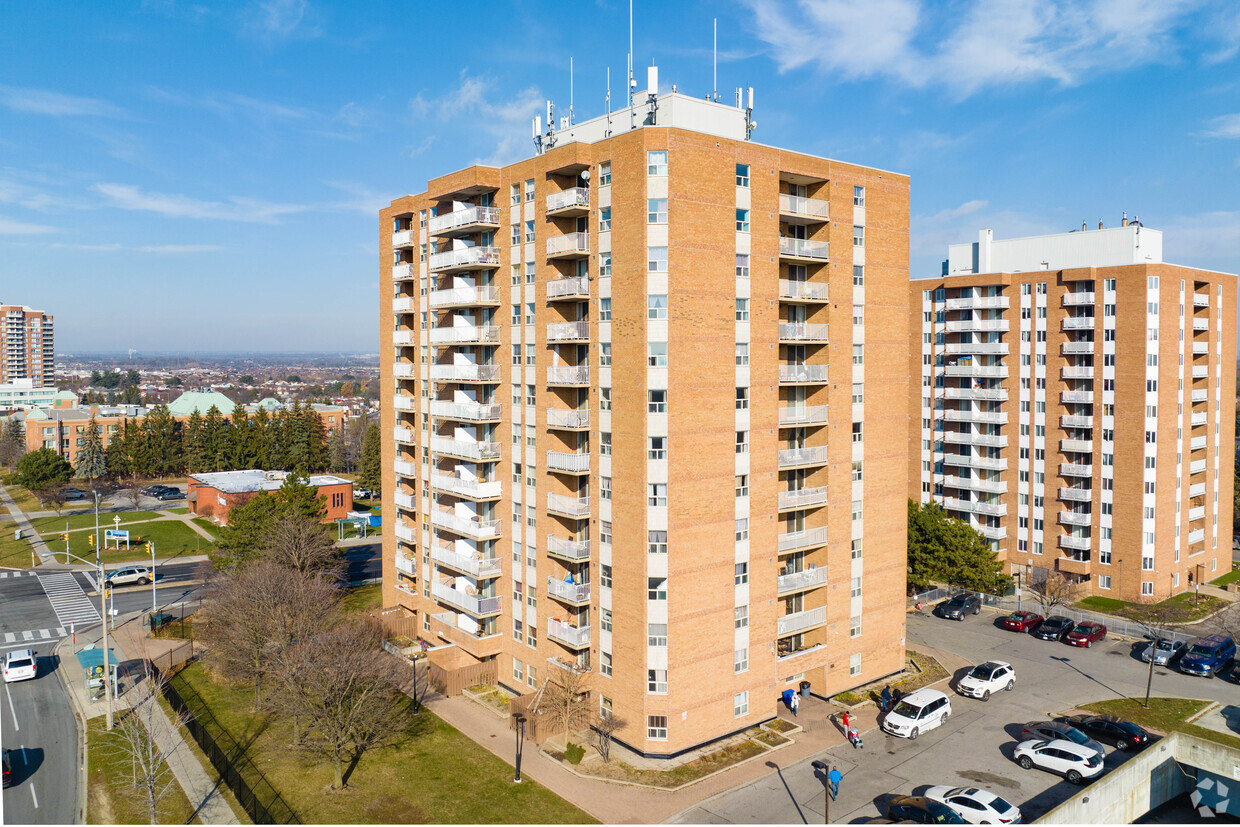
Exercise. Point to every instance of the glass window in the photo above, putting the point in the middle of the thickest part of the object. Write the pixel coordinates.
(656, 401)
(656, 259)
(741, 574)
(740, 660)
(529, 190)
(656, 494)
(656, 588)
(656, 542)
(604, 354)
(742, 398)
(742, 310)
(604, 399)
(740, 617)
(604, 219)
(656, 634)
(604, 310)
(658, 448)
(740, 704)
(742, 175)
(656, 211)
(742, 485)
(742, 221)
(858, 196)
(656, 354)
(604, 173)
(604, 264)
(656, 725)
(742, 266)
(656, 307)
(858, 236)
(656, 163)
(742, 353)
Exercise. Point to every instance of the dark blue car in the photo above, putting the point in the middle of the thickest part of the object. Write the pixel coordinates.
(1209, 656)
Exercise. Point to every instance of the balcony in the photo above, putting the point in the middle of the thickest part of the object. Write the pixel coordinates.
(1070, 541)
(984, 463)
(465, 449)
(464, 334)
(402, 403)
(571, 376)
(1201, 348)
(574, 637)
(1197, 466)
(464, 411)
(802, 291)
(966, 415)
(981, 348)
(1076, 495)
(481, 295)
(1202, 395)
(472, 219)
(1197, 535)
(802, 374)
(568, 420)
(1199, 419)
(1201, 300)
(991, 532)
(568, 463)
(976, 371)
(404, 304)
(569, 245)
(577, 287)
(967, 438)
(465, 487)
(480, 568)
(1077, 299)
(576, 507)
(465, 526)
(403, 435)
(1201, 371)
(799, 457)
(573, 201)
(1076, 348)
(1070, 421)
(1076, 373)
(1197, 443)
(406, 565)
(1083, 446)
(465, 373)
(1201, 324)
(797, 540)
(404, 468)
(802, 498)
(984, 394)
(802, 332)
(1077, 323)
(977, 303)
(574, 551)
(795, 209)
(1074, 518)
(802, 249)
(405, 337)
(1076, 397)
(975, 484)
(787, 653)
(468, 603)
(808, 415)
(1198, 513)
(406, 501)
(801, 621)
(799, 581)
(1074, 564)
(1068, 469)
(975, 506)
(568, 332)
(403, 238)
(574, 594)
(977, 325)
(445, 626)
(1197, 489)
(465, 258)
(404, 272)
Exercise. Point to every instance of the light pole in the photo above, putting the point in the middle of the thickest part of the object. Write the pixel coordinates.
(1197, 585)
(103, 596)
(519, 720)
(830, 785)
(151, 543)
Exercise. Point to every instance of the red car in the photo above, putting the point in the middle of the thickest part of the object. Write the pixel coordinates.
(1086, 633)
(1022, 621)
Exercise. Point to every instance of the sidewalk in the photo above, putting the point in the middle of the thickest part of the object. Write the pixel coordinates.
(132, 648)
(36, 542)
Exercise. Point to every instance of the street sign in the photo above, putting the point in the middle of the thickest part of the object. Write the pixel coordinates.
(115, 534)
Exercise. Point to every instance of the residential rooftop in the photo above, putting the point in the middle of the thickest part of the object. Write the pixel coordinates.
(255, 479)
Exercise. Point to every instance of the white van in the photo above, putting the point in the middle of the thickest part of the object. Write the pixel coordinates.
(917, 712)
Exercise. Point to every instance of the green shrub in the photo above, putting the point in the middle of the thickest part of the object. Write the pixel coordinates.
(574, 753)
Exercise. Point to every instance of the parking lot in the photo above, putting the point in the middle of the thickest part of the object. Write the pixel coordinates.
(975, 746)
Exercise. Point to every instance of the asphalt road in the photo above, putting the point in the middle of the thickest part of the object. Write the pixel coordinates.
(37, 724)
(975, 746)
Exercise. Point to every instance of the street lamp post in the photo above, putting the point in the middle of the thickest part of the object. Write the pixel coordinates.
(830, 785)
(103, 595)
(519, 720)
(151, 543)
(1197, 585)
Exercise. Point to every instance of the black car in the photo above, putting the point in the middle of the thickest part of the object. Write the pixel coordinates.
(152, 490)
(170, 494)
(1054, 628)
(8, 769)
(1110, 729)
(921, 810)
(959, 606)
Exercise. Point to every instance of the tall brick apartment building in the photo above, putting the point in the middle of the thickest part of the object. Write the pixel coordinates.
(27, 345)
(625, 385)
(1076, 406)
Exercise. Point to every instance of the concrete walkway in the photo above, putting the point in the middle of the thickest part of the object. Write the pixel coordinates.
(19, 517)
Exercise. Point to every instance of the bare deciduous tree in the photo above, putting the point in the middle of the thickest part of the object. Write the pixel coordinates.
(341, 685)
(54, 496)
(151, 778)
(564, 699)
(1055, 590)
(414, 679)
(252, 617)
(133, 494)
(605, 726)
(300, 543)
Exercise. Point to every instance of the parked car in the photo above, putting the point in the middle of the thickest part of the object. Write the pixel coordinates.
(917, 712)
(73, 493)
(959, 606)
(20, 665)
(1053, 628)
(1072, 761)
(170, 494)
(130, 574)
(1086, 634)
(1209, 656)
(152, 490)
(1022, 621)
(1055, 730)
(975, 805)
(921, 810)
(1110, 729)
(988, 677)
(8, 769)
(1162, 652)
(362, 493)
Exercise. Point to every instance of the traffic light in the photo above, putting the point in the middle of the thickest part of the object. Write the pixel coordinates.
(91, 539)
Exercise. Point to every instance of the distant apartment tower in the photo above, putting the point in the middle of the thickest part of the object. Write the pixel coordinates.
(1076, 407)
(620, 436)
(28, 345)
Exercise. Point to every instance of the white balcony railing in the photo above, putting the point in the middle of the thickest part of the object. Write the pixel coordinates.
(1201, 371)
(1199, 419)
(1197, 489)
(1070, 421)
(578, 507)
(1201, 324)
(808, 538)
(571, 375)
(1197, 535)
(405, 304)
(1073, 518)
(803, 290)
(1068, 469)
(575, 637)
(803, 248)
(808, 415)
(802, 580)
(1077, 397)
(1197, 466)
(465, 449)
(803, 498)
(976, 371)
(464, 334)
(990, 394)
(991, 417)
(448, 222)
(1077, 323)
(404, 337)
(571, 592)
(1084, 446)
(405, 565)
(569, 198)
(979, 325)
(791, 457)
(790, 374)
(577, 287)
(969, 438)
(808, 207)
(1201, 300)
(403, 272)
(573, 463)
(975, 506)
(402, 435)
(470, 488)
(1075, 543)
(975, 484)
(1076, 495)
(1077, 299)
(1076, 373)
(462, 257)
(406, 501)
(468, 603)
(1201, 348)
(1201, 395)
(800, 621)
(569, 244)
(402, 403)
(464, 411)
(477, 567)
(404, 468)
(561, 418)
(1076, 348)
(983, 348)
(1198, 513)
(1197, 443)
(568, 331)
(467, 526)
(970, 461)
(403, 238)
(572, 550)
(465, 373)
(978, 303)
(459, 296)
(802, 332)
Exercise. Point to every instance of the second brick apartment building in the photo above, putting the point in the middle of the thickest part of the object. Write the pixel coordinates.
(624, 392)
(1076, 406)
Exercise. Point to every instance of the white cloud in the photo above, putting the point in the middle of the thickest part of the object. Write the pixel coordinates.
(1224, 126)
(930, 235)
(1210, 240)
(128, 197)
(471, 107)
(55, 104)
(178, 249)
(281, 19)
(8, 226)
(984, 43)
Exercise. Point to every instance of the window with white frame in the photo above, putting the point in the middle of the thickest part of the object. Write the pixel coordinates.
(854, 626)
(742, 353)
(854, 664)
(656, 259)
(740, 660)
(742, 310)
(656, 725)
(740, 617)
(605, 663)
(740, 704)
(656, 495)
(656, 211)
(604, 309)
(656, 401)
(657, 448)
(858, 236)
(656, 163)
(740, 573)
(604, 174)
(656, 542)
(604, 219)
(742, 266)
(656, 306)
(742, 485)
(656, 354)
(742, 399)
(742, 221)
(742, 175)
(742, 529)
(656, 588)
(858, 196)
(656, 634)
(604, 264)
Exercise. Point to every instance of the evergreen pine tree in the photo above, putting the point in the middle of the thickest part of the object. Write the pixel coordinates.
(119, 453)
(296, 438)
(215, 440)
(337, 451)
(193, 444)
(12, 441)
(92, 462)
(240, 440)
(161, 444)
(372, 460)
(316, 433)
(260, 440)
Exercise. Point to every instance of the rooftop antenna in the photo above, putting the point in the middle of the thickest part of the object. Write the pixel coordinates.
(714, 94)
(570, 91)
(608, 101)
(632, 82)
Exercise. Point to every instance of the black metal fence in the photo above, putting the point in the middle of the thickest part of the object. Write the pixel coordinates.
(260, 800)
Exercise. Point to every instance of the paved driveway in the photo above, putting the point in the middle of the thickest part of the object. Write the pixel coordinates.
(975, 746)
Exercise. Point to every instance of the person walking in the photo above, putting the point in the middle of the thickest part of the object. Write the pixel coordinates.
(886, 698)
(796, 704)
(844, 721)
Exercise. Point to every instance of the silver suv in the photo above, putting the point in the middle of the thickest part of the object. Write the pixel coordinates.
(133, 574)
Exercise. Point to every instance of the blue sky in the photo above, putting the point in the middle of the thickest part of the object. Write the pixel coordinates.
(182, 176)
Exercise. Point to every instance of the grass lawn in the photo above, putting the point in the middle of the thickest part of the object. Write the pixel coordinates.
(212, 528)
(432, 773)
(109, 799)
(363, 598)
(24, 499)
(1102, 604)
(1165, 715)
(14, 554)
(1227, 579)
(86, 522)
(172, 538)
(178, 510)
(1178, 609)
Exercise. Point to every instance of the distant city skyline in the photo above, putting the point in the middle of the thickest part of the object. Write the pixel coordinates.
(190, 178)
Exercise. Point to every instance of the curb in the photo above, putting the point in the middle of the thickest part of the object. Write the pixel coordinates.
(79, 717)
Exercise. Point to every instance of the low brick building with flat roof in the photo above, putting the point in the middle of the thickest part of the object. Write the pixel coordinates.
(213, 495)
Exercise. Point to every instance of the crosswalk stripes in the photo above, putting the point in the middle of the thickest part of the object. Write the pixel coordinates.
(67, 598)
(32, 634)
(4, 574)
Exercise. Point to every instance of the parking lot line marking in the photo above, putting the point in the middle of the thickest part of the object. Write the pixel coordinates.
(35, 797)
(9, 637)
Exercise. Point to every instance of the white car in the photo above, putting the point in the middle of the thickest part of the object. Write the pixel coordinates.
(1073, 761)
(133, 574)
(20, 666)
(988, 677)
(976, 806)
(917, 712)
